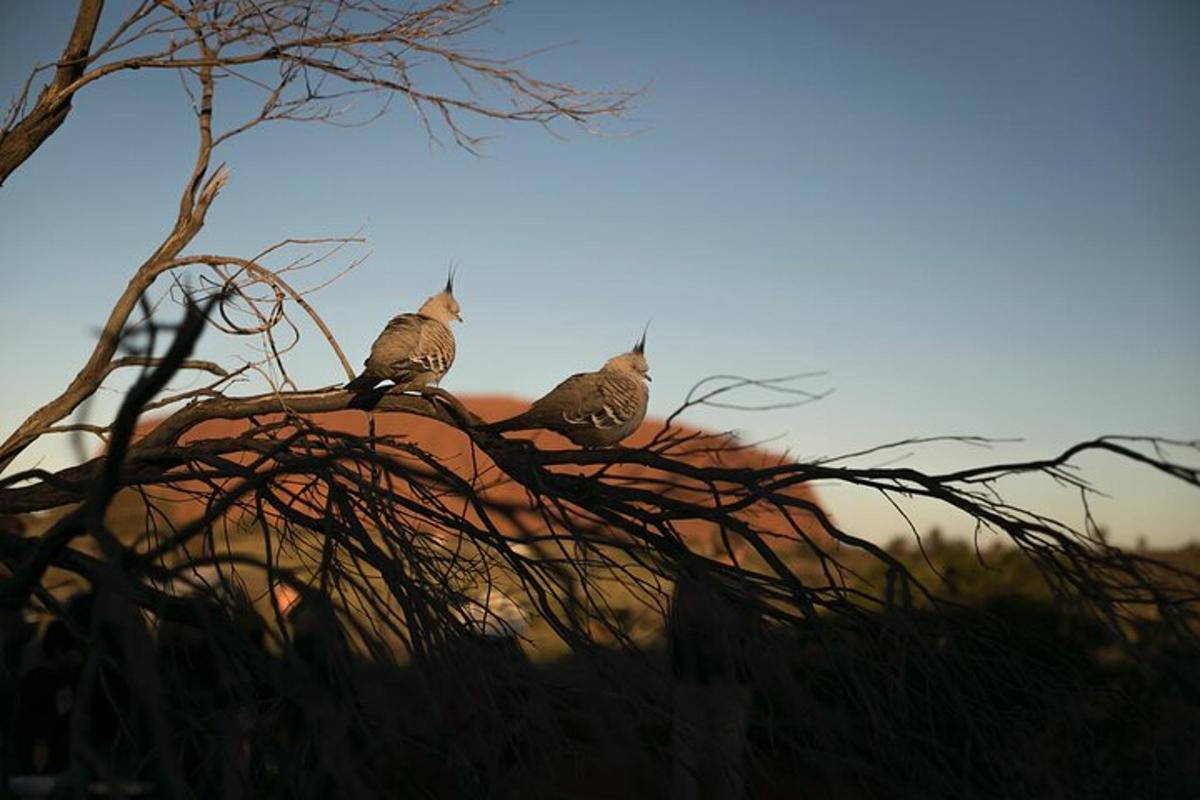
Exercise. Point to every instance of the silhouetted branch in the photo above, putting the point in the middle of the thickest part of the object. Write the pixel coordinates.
(361, 604)
(407, 550)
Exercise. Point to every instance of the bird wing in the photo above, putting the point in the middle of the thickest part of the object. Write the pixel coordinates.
(590, 400)
(435, 348)
(395, 343)
(405, 324)
(413, 342)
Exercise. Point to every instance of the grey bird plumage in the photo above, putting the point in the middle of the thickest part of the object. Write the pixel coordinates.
(414, 350)
(592, 409)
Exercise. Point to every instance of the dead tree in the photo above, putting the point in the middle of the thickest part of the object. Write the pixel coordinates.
(404, 549)
(401, 551)
(306, 60)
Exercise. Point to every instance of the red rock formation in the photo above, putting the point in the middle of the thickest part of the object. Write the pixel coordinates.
(452, 448)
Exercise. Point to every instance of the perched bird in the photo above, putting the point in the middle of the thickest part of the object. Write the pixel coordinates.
(414, 350)
(592, 409)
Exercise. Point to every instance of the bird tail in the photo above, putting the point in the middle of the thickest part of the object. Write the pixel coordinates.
(516, 423)
(362, 383)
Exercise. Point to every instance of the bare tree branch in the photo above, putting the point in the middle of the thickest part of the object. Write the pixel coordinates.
(355, 591)
(19, 141)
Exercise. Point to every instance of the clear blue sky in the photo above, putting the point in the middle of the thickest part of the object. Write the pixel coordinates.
(980, 218)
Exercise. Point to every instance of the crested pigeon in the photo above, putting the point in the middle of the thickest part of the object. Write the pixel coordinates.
(592, 409)
(414, 350)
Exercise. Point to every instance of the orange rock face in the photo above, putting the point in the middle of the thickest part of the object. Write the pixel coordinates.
(452, 449)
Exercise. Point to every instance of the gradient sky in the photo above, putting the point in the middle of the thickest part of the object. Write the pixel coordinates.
(979, 218)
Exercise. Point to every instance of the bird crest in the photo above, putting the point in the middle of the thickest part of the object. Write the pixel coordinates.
(640, 346)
